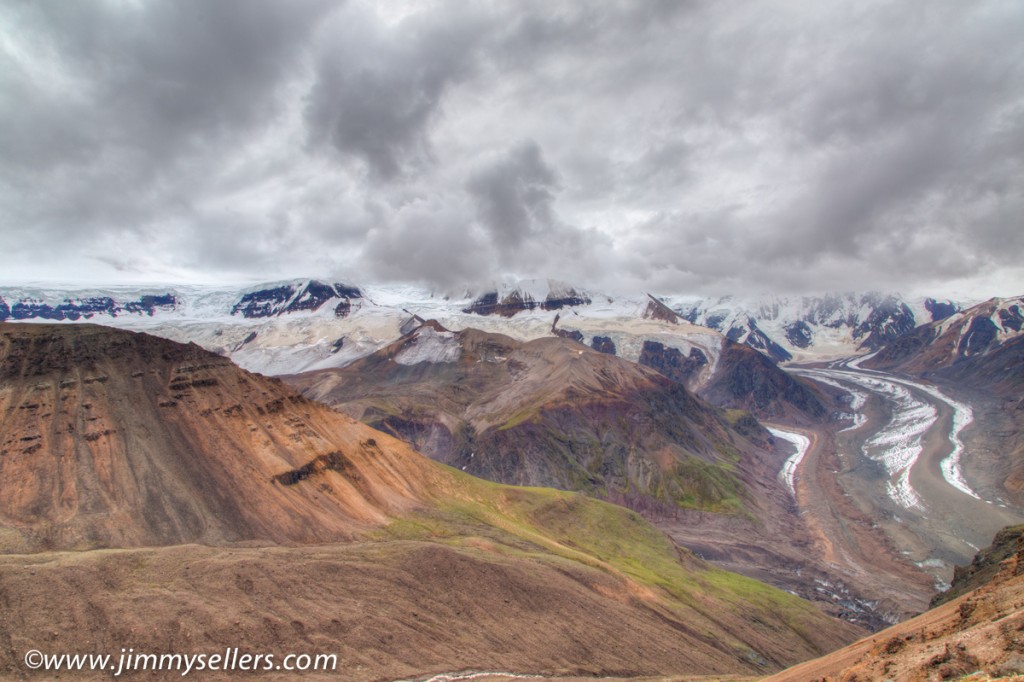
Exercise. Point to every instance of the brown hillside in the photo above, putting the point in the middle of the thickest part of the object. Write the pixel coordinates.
(112, 439)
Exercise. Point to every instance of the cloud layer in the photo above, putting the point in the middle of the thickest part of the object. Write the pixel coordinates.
(679, 147)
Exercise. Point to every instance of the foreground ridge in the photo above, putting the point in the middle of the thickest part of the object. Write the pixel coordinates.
(979, 633)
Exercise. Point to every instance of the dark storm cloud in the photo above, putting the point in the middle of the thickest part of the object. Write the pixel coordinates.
(514, 197)
(116, 114)
(670, 145)
(378, 88)
(157, 77)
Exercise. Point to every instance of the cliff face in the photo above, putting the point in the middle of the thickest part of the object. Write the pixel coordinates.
(1008, 543)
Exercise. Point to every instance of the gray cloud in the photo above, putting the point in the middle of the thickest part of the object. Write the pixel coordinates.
(158, 78)
(430, 241)
(119, 114)
(514, 197)
(378, 88)
(673, 146)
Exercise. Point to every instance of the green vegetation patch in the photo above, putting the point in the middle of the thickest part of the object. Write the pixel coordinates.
(707, 486)
(554, 526)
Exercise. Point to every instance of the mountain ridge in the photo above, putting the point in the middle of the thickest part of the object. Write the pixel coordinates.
(547, 412)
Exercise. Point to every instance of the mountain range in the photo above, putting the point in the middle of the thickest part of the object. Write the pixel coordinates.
(805, 326)
(289, 327)
(831, 325)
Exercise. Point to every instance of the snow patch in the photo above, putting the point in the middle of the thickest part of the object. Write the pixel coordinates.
(430, 345)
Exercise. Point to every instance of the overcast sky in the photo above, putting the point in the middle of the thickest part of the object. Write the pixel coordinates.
(704, 146)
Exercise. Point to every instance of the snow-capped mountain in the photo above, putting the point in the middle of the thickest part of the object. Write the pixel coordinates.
(306, 324)
(800, 327)
(293, 297)
(37, 304)
(508, 299)
(183, 302)
(969, 334)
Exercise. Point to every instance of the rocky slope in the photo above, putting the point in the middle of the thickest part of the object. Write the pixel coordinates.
(548, 412)
(965, 339)
(742, 378)
(123, 446)
(977, 636)
(986, 565)
(749, 380)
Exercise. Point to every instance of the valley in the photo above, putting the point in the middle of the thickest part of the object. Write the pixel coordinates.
(888, 495)
(907, 483)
